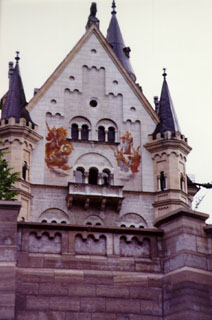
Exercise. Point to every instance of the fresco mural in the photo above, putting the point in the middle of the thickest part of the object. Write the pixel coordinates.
(58, 149)
(127, 157)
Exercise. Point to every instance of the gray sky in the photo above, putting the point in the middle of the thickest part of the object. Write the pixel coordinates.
(176, 34)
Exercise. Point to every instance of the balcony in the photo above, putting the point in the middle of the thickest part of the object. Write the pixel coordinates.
(98, 196)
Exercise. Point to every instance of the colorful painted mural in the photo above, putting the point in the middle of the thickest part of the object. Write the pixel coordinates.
(58, 148)
(127, 157)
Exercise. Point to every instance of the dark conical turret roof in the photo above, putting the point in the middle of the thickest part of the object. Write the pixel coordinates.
(115, 39)
(15, 102)
(166, 111)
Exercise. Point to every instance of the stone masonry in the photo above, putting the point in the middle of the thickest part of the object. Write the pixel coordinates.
(123, 273)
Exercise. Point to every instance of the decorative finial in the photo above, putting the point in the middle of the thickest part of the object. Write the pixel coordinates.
(92, 19)
(113, 7)
(164, 73)
(93, 9)
(17, 58)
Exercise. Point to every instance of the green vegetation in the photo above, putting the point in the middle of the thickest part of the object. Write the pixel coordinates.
(7, 180)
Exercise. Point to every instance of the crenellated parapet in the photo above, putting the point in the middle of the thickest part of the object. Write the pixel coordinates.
(167, 141)
(22, 129)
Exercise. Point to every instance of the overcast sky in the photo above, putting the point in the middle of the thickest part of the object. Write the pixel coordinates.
(176, 34)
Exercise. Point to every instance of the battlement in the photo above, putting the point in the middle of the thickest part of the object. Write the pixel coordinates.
(168, 135)
(21, 123)
(168, 141)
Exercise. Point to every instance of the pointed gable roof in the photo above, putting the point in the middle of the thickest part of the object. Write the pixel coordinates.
(166, 111)
(115, 39)
(89, 32)
(15, 102)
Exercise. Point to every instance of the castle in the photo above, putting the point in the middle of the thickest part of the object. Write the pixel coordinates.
(103, 227)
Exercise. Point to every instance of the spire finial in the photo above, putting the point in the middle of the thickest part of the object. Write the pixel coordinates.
(17, 58)
(164, 73)
(113, 7)
(92, 19)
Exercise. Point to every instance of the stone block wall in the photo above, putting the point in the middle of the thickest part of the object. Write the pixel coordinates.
(75, 272)
(8, 230)
(62, 272)
(88, 294)
(187, 280)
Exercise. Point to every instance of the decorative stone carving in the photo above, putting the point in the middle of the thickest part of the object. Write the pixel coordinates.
(135, 248)
(90, 245)
(45, 243)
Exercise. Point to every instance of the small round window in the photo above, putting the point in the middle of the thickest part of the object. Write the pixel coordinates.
(93, 103)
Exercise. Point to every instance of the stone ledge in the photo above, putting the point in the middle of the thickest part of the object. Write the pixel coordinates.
(181, 212)
(208, 228)
(106, 229)
(13, 205)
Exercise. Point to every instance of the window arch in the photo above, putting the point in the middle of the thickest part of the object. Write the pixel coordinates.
(80, 175)
(182, 183)
(101, 133)
(106, 177)
(93, 176)
(111, 134)
(84, 132)
(162, 181)
(24, 170)
(74, 131)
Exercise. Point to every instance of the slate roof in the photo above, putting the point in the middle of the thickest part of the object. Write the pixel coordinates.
(166, 111)
(115, 39)
(15, 102)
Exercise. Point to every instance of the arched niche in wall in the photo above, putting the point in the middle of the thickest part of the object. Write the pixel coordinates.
(132, 220)
(101, 162)
(93, 221)
(107, 130)
(79, 128)
(54, 214)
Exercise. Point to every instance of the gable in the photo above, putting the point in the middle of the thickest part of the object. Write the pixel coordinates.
(105, 56)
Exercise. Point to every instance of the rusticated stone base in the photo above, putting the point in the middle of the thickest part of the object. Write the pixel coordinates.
(67, 272)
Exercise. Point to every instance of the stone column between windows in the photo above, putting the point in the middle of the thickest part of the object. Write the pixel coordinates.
(80, 133)
(106, 135)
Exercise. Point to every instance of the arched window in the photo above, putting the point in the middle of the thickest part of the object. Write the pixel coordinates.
(101, 133)
(24, 170)
(74, 131)
(106, 177)
(79, 175)
(182, 183)
(84, 132)
(111, 134)
(93, 176)
(162, 181)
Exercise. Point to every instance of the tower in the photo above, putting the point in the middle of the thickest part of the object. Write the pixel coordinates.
(169, 150)
(19, 136)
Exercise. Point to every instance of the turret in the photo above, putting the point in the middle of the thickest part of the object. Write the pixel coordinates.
(18, 135)
(169, 150)
(115, 39)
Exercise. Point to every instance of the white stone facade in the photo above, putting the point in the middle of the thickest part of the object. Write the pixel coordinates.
(91, 73)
